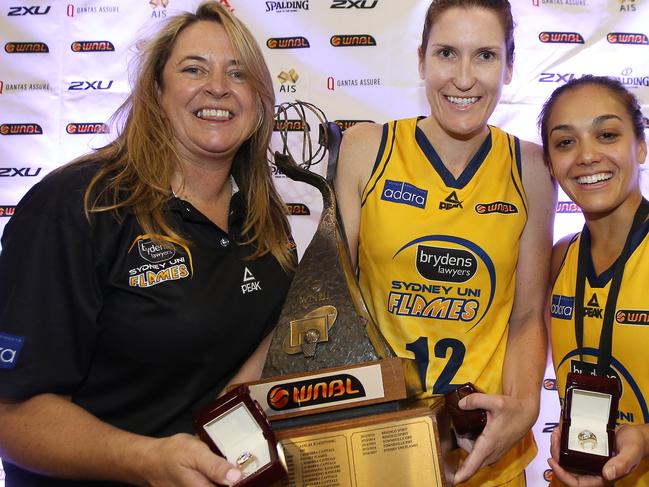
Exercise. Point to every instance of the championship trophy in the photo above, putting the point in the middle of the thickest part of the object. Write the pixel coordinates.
(340, 401)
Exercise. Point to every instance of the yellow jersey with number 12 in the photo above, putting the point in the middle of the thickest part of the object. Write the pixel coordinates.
(437, 262)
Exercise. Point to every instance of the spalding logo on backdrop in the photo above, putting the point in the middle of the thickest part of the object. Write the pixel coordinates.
(404, 193)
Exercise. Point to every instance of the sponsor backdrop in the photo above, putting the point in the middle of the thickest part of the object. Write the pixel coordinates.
(64, 69)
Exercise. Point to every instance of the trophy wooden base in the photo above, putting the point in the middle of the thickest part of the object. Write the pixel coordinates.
(408, 446)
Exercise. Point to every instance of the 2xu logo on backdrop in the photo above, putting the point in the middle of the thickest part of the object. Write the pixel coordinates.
(32, 10)
(90, 85)
(22, 172)
(354, 3)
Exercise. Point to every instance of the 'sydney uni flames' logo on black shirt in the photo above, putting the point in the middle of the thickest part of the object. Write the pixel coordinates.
(158, 261)
(311, 392)
(561, 37)
(496, 207)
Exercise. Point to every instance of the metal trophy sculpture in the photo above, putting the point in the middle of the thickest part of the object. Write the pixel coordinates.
(339, 399)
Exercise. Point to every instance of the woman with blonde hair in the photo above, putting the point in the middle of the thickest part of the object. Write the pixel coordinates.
(137, 281)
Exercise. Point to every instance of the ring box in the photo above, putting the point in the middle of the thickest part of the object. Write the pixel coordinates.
(235, 427)
(590, 406)
(467, 423)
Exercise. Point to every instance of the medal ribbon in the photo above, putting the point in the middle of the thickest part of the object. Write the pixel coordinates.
(606, 336)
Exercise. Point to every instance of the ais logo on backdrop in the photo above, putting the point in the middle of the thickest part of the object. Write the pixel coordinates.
(311, 392)
(287, 81)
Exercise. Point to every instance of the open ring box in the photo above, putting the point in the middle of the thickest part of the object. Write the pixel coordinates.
(590, 406)
(467, 423)
(236, 428)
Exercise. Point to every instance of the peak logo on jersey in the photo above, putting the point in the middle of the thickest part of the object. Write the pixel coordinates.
(593, 310)
(26, 47)
(632, 317)
(77, 128)
(561, 37)
(496, 207)
(550, 384)
(92, 46)
(20, 129)
(444, 264)
(296, 42)
(291, 125)
(562, 306)
(311, 392)
(345, 124)
(298, 209)
(10, 346)
(35, 10)
(450, 202)
(352, 40)
(250, 284)
(626, 38)
(354, 3)
(404, 193)
(164, 260)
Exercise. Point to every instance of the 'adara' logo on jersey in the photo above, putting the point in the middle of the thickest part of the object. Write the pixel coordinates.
(593, 310)
(404, 193)
(450, 202)
(562, 307)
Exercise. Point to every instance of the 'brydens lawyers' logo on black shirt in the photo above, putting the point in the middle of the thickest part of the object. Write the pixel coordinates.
(496, 207)
(561, 37)
(312, 392)
(296, 42)
(158, 262)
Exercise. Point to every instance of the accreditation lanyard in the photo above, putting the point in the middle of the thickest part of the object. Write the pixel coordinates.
(606, 336)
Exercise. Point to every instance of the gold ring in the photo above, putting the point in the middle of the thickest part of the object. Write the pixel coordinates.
(245, 457)
(587, 439)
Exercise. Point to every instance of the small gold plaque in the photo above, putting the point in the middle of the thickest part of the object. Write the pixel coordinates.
(320, 319)
(402, 452)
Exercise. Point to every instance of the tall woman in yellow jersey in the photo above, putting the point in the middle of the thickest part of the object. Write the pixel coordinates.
(449, 220)
(593, 138)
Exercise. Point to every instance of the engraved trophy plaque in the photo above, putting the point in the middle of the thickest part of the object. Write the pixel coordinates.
(340, 401)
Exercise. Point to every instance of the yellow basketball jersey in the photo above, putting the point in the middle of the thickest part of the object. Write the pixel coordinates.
(437, 259)
(629, 360)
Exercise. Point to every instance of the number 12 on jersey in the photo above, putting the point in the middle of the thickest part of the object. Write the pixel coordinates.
(421, 351)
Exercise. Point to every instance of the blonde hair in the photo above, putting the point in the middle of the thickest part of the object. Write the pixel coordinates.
(137, 167)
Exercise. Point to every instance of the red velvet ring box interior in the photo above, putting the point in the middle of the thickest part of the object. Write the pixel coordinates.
(465, 423)
(235, 427)
(588, 423)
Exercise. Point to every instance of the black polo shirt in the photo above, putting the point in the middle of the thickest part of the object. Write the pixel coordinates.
(136, 333)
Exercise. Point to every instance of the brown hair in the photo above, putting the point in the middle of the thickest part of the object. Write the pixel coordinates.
(501, 8)
(137, 167)
(615, 88)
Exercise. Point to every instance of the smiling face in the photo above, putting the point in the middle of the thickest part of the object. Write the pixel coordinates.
(205, 95)
(464, 68)
(593, 150)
